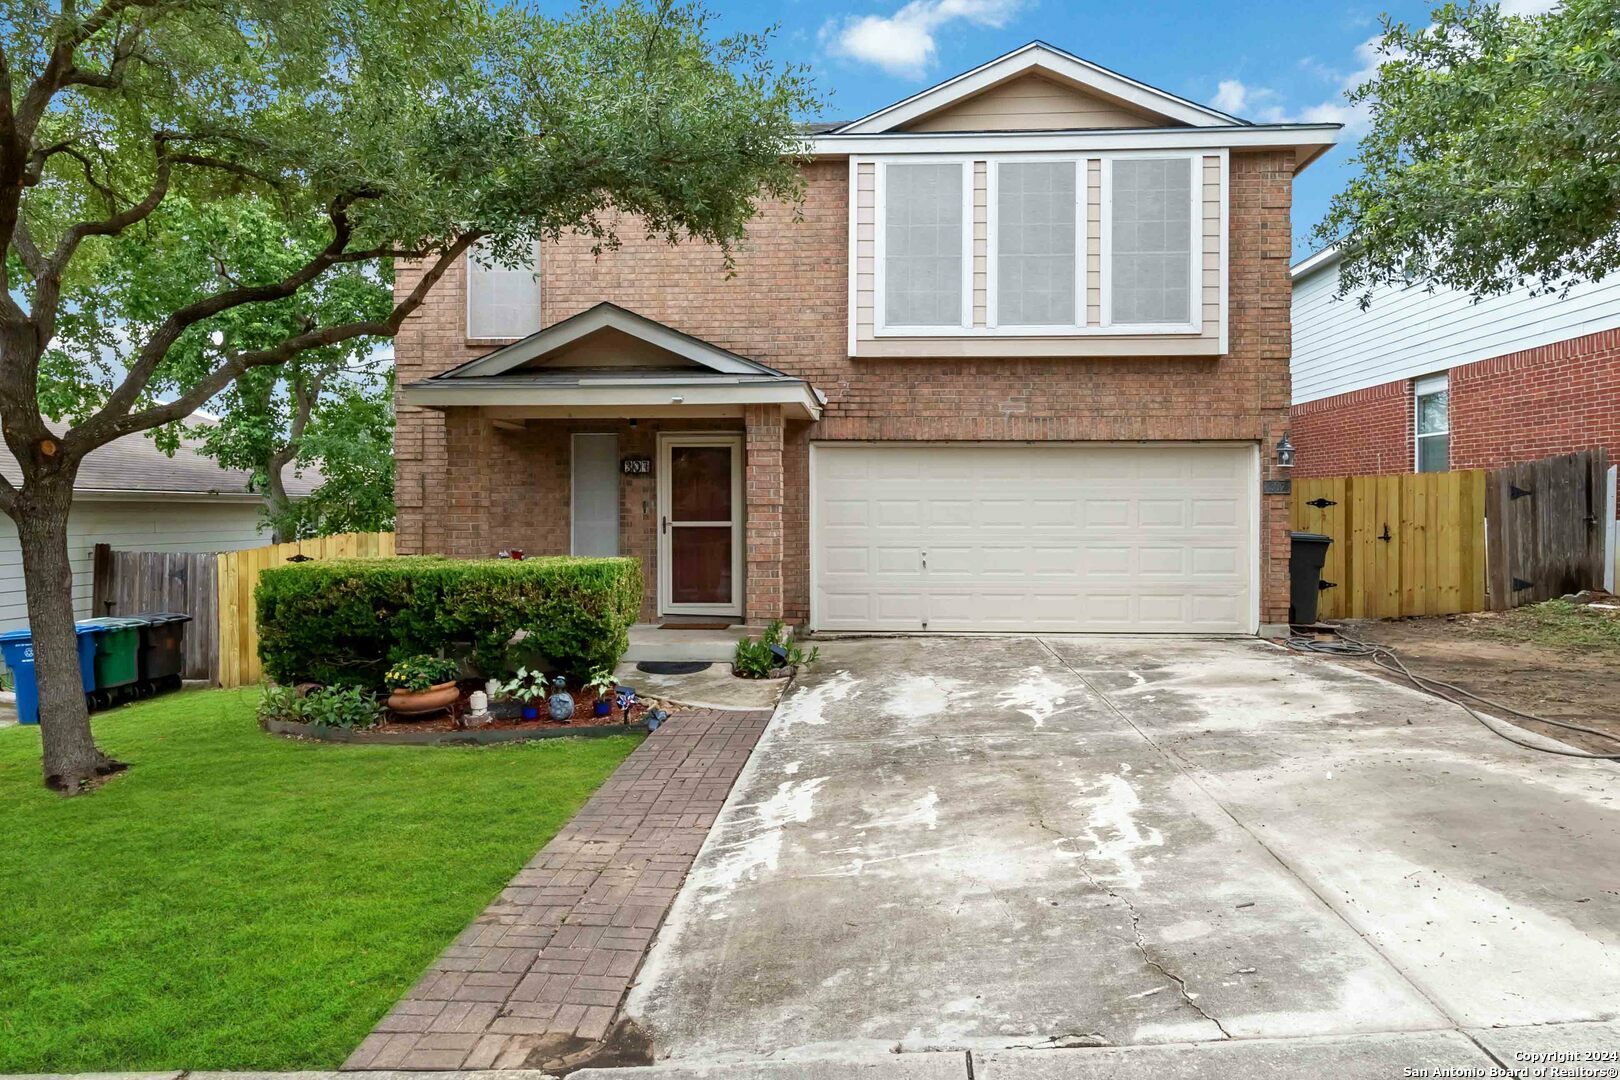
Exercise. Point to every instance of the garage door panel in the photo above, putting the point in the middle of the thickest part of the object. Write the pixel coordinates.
(1038, 538)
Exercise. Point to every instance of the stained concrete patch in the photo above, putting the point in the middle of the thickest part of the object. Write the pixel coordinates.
(713, 688)
(891, 1067)
(1487, 873)
(927, 853)
(1364, 1056)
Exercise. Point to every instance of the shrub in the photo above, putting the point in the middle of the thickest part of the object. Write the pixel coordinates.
(331, 706)
(344, 621)
(757, 659)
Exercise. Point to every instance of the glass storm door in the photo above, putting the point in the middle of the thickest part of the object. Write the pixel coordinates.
(700, 511)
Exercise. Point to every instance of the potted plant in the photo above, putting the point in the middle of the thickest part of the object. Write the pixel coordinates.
(527, 688)
(603, 684)
(422, 684)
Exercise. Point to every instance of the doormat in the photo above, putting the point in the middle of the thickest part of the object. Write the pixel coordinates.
(673, 667)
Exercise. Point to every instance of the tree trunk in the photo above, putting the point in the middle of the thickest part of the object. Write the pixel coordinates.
(72, 759)
(276, 502)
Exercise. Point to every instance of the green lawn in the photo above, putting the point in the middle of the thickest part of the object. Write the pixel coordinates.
(1558, 624)
(241, 901)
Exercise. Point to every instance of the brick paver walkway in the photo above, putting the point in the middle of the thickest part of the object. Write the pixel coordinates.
(546, 966)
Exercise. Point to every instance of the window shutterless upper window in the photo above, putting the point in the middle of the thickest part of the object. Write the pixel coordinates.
(502, 301)
(1036, 237)
(1151, 241)
(1432, 424)
(924, 226)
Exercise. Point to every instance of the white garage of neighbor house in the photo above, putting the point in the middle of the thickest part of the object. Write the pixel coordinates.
(132, 496)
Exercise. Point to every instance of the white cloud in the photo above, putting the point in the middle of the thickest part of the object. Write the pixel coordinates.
(1261, 103)
(1527, 7)
(904, 43)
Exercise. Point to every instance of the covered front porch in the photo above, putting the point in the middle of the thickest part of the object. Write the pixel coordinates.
(610, 434)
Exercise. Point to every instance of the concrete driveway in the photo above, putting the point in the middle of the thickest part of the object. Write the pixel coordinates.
(1029, 849)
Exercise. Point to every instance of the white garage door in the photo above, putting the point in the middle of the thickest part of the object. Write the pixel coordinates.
(913, 536)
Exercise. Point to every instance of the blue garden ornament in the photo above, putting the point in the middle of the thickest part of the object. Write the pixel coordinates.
(656, 718)
(561, 703)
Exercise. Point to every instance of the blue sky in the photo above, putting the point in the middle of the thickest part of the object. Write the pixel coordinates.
(1259, 60)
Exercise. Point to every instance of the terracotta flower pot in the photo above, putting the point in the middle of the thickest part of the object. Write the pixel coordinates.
(434, 698)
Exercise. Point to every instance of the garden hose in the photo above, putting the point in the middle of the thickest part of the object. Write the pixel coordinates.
(1386, 658)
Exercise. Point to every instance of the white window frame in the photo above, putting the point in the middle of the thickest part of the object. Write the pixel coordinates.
(1427, 386)
(992, 247)
(1104, 327)
(1195, 267)
(879, 250)
(467, 295)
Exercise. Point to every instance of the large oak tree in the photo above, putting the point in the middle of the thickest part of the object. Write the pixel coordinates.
(347, 134)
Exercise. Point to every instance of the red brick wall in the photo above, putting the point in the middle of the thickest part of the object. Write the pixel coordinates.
(1531, 404)
(786, 307)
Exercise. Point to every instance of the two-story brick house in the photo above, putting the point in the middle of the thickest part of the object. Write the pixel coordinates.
(1020, 362)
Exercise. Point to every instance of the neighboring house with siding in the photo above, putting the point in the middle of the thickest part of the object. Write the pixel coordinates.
(1019, 363)
(1429, 380)
(134, 497)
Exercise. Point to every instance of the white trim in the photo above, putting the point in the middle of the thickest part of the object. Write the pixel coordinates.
(1311, 263)
(573, 490)
(628, 394)
(1256, 531)
(855, 247)
(810, 478)
(992, 248)
(666, 440)
(880, 327)
(1195, 299)
(1318, 137)
(1225, 233)
(1039, 56)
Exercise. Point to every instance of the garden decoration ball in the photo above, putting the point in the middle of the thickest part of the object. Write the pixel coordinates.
(561, 703)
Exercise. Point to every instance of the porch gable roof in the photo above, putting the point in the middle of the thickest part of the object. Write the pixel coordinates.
(697, 378)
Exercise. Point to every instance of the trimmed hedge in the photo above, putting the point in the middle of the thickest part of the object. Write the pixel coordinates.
(344, 621)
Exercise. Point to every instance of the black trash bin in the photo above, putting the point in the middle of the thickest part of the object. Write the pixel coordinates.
(1305, 559)
(162, 653)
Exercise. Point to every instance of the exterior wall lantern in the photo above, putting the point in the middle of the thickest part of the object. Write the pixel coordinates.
(1285, 453)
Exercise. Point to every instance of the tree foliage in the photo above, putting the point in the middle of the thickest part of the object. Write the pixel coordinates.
(1491, 160)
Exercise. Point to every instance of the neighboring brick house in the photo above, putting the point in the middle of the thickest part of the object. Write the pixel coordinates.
(1020, 362)
(1432, 379)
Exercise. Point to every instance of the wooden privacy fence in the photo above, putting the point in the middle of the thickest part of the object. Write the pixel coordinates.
(130, 582)
(1442, 543)
(238, 576)
(1549, 522)
(1402, 544)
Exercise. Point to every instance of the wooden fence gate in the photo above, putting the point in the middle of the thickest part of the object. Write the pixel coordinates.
(130, 582)
(1402, 544)
(238, 576)
(1549, 523)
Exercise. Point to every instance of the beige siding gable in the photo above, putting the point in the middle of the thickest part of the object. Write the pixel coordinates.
(1033, 103)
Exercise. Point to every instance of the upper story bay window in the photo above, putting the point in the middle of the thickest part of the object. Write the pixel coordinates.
(503, 302)
(1052, 246)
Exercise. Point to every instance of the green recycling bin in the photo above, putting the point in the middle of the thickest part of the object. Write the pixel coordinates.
(117, 649)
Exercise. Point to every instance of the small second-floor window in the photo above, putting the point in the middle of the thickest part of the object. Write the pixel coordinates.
(502, 301)
(1151, 240)
(1433, 409)
(1035, 239)
(922, 245)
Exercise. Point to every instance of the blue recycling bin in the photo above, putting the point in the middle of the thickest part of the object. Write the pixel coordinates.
(17, 646)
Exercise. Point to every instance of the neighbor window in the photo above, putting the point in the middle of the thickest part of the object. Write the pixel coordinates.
(1433, 425)
(922, 244)
(1035, 240)
(502, 301)
(1151, 238)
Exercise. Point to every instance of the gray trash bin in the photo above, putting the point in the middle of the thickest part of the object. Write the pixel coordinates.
(1306, 557)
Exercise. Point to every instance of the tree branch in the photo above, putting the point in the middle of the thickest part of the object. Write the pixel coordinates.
(103, 428)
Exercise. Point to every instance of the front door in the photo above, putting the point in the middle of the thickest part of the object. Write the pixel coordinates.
(700, 512)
